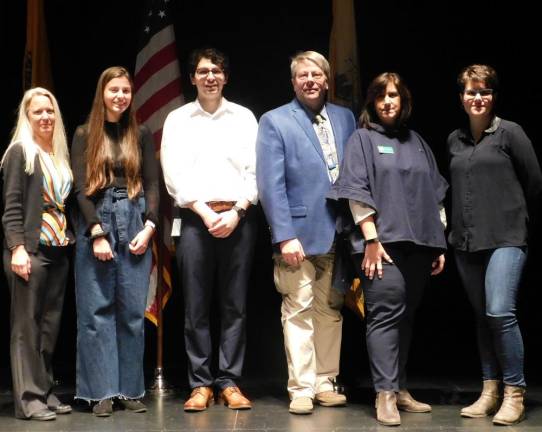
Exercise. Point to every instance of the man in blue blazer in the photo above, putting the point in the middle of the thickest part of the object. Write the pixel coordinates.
(299, 149)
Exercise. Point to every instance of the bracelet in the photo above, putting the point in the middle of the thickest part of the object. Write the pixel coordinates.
(149, 223)
(373, 240)
(97, 234)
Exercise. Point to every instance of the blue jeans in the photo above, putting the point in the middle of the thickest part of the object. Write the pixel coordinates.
(492, 279)
(111, 298)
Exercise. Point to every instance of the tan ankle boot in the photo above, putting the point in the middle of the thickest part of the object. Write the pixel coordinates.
(386, 409)
(512, 410)
(405, 402)
(486, 403)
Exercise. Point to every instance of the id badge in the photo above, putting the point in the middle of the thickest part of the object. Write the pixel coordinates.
(331, 163)
(385, 149)
(176, 227)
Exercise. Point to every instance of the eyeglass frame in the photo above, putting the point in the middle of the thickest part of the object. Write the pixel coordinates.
(472, 93)
(204, 72)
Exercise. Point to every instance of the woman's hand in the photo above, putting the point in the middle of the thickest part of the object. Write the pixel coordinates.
(20, 262)
(438, 265)
(102, 249)
(372, 260)
(140, 242)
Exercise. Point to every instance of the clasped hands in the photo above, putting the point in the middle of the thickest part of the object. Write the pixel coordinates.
(138, 246)
(220, 225)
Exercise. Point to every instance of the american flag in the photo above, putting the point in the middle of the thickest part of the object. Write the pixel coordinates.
(157, 92)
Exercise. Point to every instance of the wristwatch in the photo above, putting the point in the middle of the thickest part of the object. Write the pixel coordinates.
(373, 240)
(241, 212)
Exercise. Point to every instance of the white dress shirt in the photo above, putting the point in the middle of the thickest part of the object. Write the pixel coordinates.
(210, 157)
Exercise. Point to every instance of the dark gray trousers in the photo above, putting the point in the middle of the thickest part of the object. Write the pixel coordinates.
(212, 266)
(391, 303)
(36, 308)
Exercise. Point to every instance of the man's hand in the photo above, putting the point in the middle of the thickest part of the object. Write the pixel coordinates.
(225, 225)
(292, 252)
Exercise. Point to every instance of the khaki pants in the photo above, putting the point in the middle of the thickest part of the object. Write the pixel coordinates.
(312, 324)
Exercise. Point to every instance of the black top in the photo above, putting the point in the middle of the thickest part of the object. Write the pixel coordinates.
(149, 172)
(494, 183)
(23, 202)
(395, 173)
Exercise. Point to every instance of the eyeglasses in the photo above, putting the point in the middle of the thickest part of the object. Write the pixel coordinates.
(316, 76)
(202, 73)
(484, 93)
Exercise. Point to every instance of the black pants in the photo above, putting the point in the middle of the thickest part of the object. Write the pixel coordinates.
(36, 308)
(206, 263)
(390, 303)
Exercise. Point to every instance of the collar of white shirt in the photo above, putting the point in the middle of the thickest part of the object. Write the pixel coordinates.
(225, 106)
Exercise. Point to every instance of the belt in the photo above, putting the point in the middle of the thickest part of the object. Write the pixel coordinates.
(118, 194)
(220, 206)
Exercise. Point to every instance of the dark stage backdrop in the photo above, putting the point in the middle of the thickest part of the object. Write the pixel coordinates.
(426, 41)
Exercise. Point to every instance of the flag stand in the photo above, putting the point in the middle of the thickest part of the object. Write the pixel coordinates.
(160, 387)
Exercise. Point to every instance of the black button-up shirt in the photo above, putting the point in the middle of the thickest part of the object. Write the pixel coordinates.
(494, 183)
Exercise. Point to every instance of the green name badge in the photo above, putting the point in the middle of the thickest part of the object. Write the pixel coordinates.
(385, 150)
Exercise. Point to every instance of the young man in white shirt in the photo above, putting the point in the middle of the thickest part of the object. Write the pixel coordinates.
(208, 160)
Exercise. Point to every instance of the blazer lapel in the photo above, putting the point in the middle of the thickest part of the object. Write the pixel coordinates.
(304, 122)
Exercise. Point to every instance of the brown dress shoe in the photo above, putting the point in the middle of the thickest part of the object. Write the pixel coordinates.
(234, 399)
(405, 402)
(386, 409)
(200, 399)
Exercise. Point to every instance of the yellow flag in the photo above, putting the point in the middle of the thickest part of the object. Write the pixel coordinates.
(36, 63)
(344, 88)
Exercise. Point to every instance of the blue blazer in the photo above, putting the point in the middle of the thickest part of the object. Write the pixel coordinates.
(292, 174)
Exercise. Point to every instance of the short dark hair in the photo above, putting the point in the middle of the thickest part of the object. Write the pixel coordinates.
(216, 56)
(376, 89)
(478, 73)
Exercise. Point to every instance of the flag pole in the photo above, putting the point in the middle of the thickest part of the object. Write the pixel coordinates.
(160, 386)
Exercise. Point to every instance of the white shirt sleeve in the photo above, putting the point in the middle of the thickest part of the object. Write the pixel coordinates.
(249, 177)
(360, 210)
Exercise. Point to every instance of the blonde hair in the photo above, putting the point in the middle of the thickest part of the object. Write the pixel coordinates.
(99, 152)
(312, 56)
(23, 136)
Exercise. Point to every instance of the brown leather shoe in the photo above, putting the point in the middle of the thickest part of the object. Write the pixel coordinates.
(234, 399)
(405, 402)
(512, 410)
(200, 399)
(386, 409)
(486, 404)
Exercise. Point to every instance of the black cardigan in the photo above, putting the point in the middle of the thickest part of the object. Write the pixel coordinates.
(23, 202)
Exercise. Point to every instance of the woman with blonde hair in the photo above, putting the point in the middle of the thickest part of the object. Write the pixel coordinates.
(37, 182)
(116, 185)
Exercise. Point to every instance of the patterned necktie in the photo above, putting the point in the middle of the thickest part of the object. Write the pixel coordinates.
(330, 154)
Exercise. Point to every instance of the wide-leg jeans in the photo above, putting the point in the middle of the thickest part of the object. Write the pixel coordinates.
(111, 298)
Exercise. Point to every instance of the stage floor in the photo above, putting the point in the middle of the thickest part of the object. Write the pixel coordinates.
(270, 413)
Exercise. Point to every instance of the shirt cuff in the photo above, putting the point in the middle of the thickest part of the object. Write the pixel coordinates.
(360, 210)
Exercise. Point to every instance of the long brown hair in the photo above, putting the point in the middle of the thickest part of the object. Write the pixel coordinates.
(99, 152)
